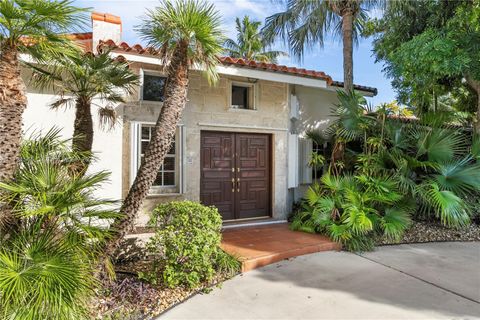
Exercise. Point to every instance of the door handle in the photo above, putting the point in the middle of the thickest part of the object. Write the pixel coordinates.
(233, 184)
(238, 184)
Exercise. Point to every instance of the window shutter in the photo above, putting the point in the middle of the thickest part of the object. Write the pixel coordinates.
(140, 87)
(182, 159)
(292, 160)
(134, 138)
(305, 154)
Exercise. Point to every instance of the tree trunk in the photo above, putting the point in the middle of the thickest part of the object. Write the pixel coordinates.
(347, 35)
(475, 85)
(13, 102)
(82, 131)
(162, 138)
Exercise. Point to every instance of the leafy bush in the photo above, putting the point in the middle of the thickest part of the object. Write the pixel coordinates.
(47, 263)
(187, 239)
(425, 169)
(350, 208)
(43, 276)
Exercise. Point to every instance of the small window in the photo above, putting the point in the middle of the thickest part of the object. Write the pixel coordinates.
(153, 88)
(242, 96)
(166, 176)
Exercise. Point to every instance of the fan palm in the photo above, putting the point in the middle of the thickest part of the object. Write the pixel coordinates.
(186, 32)
(45, 193)
(250, 43)
(44, 276)
(32, 27)
(78, 80)
(304, 25)
(46, 266)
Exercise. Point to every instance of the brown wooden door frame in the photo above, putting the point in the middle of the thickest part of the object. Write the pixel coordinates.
(246, 166)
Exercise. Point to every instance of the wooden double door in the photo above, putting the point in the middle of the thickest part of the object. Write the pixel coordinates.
(236, 174)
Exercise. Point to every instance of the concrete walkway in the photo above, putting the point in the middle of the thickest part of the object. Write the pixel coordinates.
(424, 281)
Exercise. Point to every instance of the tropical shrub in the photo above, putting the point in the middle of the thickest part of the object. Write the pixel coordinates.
(385, 170)
(47, 264)
(187, 243)
(349, 208)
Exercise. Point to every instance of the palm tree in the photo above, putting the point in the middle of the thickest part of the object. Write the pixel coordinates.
(46, 266)
(80, 78)
(304, 25)
(250, 43)
(32, 27)
(186, 32)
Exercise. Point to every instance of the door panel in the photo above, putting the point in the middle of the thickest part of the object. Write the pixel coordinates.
(253, 195)
(245, 158)
(217, 161)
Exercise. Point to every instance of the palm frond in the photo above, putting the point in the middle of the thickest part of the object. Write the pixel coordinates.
(394, 223)
(196, 23)
(450, 208)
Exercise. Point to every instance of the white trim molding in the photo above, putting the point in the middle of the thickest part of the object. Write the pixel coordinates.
(135, 132)
(238, 126)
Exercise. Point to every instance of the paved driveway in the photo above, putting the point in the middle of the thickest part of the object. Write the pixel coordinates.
(424, 281)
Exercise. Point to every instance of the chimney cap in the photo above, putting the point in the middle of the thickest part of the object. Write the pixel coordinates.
(106, 17)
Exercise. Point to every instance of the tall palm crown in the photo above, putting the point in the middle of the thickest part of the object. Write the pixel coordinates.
(33, 27)
(250, 43)
(185, 32)
(80, 78)
(187, 25)
(304, 25)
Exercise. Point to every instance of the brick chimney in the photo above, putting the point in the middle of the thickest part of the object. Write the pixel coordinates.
(106, 26)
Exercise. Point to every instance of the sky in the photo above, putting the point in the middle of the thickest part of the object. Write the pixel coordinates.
(327, 59)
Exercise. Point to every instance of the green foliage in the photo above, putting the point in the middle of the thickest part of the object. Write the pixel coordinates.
(429, 48)
(82, 77)
(187, 241)
(305, 24)
(36, 26)
(421, 169)
(350, 208)
(44, 276)
(178, 22)
(47, 265)
(250, 43)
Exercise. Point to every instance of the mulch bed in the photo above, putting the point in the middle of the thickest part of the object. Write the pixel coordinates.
(421, 232)
(129, 298)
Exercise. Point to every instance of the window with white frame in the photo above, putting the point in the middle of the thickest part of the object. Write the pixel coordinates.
(242, 95)
(167, 174)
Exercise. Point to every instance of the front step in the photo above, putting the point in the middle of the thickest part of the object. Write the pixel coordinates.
(259, 246)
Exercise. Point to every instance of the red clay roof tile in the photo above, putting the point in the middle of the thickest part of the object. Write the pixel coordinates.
(240, 62)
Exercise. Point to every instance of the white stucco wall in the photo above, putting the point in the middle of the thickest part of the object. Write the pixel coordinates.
(314, 108)
(315, 114)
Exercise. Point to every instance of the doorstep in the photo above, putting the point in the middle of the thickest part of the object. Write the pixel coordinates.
(258, 246)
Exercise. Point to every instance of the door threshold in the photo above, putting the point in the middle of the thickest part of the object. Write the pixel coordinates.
(250, 223)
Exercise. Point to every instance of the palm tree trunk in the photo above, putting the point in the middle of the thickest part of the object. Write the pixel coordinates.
(162, 138)
(82, 131)
(13, 102)
(83, 126)
(347, 35)
(475, 85)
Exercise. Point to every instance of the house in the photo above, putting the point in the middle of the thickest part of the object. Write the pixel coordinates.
(240, 145)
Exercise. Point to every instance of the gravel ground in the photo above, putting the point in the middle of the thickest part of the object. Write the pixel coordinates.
(429, 232)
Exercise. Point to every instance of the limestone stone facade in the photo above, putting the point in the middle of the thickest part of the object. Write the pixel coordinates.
(208, 108)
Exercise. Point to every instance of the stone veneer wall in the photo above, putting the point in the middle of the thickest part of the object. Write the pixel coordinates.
(208, 108)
